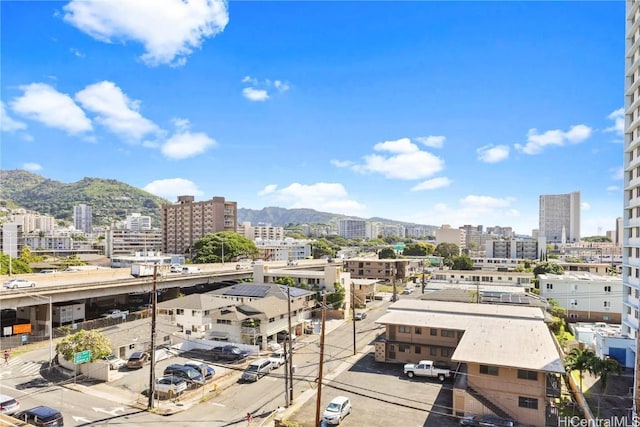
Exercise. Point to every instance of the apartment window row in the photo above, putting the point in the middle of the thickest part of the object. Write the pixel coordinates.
(527, 402)
(524, 374)
(223, 322)
(489, 370)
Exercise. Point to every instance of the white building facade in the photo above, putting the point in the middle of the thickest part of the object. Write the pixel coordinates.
(560, 218)
(83, 218)
(352, 228)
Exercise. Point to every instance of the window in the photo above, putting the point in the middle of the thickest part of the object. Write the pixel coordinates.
(607, 304)
(527, 402)
(433, 351)
(488, 370)
(417, 350)
(446, 352)
(523, 374)
(433, 332)
(404, 329)
(607, 289)
(180, 311)
(223, 322)
(549, 286)
(404, 348)
(447, 333)
(418, 331)
(573, 302)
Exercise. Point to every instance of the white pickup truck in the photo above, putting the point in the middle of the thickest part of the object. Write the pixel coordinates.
(115, 314)
(425, 368)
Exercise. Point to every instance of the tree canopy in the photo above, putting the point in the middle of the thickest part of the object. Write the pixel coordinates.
(418, 249)
(547, 267)
(447, 251)
(335, 300)
(462, 263)
(210, 248)
(387, 253)
(94, 341)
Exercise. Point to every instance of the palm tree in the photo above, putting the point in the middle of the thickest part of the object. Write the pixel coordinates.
(602, 368)
(581, 360)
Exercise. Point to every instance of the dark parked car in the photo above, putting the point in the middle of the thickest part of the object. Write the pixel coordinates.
(229, 352)
(137, 360)
(209, 372)
(485, 421)
(41, 416)
(190, 374)
(361, 315)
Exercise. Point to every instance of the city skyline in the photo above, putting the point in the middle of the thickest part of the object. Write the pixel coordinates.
(431, 113)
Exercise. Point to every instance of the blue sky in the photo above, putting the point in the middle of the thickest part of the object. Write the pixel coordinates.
(428, 112)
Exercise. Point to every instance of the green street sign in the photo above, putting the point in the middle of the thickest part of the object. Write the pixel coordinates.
(82, 357)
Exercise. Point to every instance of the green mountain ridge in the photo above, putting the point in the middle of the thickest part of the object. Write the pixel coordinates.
(113, 200)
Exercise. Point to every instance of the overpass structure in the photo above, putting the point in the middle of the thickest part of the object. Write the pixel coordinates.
(105, 288)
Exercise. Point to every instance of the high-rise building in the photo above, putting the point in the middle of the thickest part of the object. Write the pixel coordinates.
(560, 218)
(136, 222)
(352, 228)
(631, 195)
(187, 221)
(82, 218)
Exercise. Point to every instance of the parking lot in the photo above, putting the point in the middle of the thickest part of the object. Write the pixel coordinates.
(381, 395)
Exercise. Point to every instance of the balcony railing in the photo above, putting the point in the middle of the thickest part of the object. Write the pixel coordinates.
(246, 330)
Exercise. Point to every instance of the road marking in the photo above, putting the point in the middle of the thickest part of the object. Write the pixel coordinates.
(218, 404)
(81, 419)
(113, 412)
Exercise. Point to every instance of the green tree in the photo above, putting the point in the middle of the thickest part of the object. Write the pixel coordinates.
(602, 368)
(547, 267)
(335, 299)
(18, 266)
(387, 253)
(94, 341)
(462, 263)
(418, 249)
(27, 256)
(210, 248)
(581, 360)
(447, 250)
(321, 248)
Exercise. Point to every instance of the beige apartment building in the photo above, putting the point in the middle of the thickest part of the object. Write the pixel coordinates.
(506, 359)
(380, 269)
(186, 221)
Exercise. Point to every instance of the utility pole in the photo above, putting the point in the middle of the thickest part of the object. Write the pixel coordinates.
(353, 316)
(423, 283)
(152, 367)
(319, 395)
(290, 355)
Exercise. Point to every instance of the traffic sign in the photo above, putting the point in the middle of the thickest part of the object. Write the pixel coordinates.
(82, 357)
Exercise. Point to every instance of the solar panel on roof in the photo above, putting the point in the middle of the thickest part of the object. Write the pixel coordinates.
(246, 291)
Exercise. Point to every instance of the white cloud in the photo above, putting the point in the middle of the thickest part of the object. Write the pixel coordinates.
(172, 188)
(431, 141)
(341, 163)
(249, 79)
(77, 52)
(44, 104)
(618, 121)
(486, 202)
(472, 209)
(31, 166)
(406, 162)
(186, 144)
(613, 188)
(493, 153)
(253, 94)
(268, 189)
(433, 184)
(537, 142)
(322, 196)
(168, 29)
(617, 173)
(403, 145)
(585, 206)
(281, 86)
(115, 110)
(7, 124)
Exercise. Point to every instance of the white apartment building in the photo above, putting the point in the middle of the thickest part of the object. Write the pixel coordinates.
(283, 250)
(631, 177)
(12, 239)
(512, 249)
(586, 297)
(560, 218)
(447, 234)
(352, 228)
(49, 243)
(82, 218)
(137, 222)
(34, 222)
(260, 231)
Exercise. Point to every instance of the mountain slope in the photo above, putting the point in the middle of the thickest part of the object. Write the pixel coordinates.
(110, 200)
